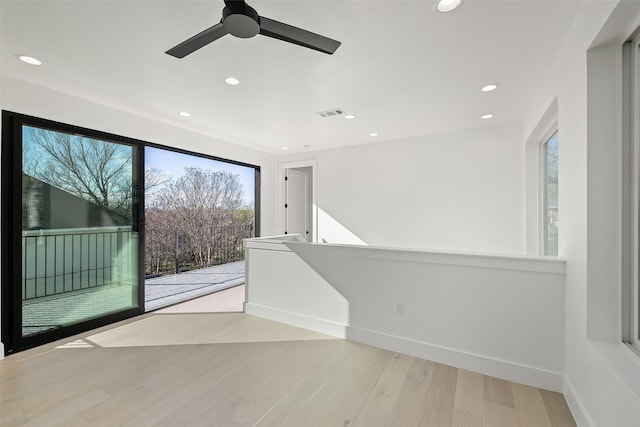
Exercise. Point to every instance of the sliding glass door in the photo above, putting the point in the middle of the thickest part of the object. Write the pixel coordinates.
(198, 210)
(73, 226)
(75, 252)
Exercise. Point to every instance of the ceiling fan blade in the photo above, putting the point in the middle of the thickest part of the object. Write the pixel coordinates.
(237, 6)
(199, 40)
(288, 33)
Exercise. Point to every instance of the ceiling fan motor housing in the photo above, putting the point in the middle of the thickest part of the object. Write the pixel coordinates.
(243, 23)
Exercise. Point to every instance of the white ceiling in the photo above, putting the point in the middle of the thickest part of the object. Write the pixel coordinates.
(403, 69)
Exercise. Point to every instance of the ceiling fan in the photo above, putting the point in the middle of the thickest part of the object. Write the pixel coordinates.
(241, 20)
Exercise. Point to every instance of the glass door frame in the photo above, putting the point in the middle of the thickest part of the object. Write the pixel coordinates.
(11, 226)
(11, 218)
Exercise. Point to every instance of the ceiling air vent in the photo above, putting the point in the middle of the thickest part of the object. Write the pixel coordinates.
(334, 112)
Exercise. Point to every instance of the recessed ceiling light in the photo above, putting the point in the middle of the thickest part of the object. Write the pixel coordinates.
(447, 5)
(486, 116)
(29, 59)
(489, 88)
(285, 148)
(185, 114)
(350, 116)
(232, 81)
(374, 134)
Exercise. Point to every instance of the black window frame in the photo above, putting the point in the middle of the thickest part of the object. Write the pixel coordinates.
(10, 225)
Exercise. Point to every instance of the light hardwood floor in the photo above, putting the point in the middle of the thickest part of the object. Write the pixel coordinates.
(232, 369)
(228, 300)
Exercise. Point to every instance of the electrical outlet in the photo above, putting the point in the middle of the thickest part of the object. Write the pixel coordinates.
(400, 309)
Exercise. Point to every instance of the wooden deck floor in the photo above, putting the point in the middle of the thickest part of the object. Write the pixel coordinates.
(233, 369)
(41, 314)
(171, 289)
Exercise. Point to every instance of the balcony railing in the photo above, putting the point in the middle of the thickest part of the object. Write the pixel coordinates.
(177, 249)
(72, 259)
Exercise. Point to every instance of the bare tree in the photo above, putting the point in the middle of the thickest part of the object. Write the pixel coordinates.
(200, 204)
(95, 170)
(201, 197)
(153, 178)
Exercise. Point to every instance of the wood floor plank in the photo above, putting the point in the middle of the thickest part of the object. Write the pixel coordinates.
(381, 400)
(530, 409)
(228, 300)
(12, 419)
(413, 395)
(217, 421)
(497, 415)
(330, 362)
(246, 392)
(438, 409)
(217, 396)
(170, 421)
(470, 392)
(198, 381)
(497, 391)
(265, 392)
(224, 405)
(292, 403)
(152, 377)
(75, 421)
(557, 409)
(71, 381)
(237, 370)
(462, 418)
(329, 406)
(65, 412)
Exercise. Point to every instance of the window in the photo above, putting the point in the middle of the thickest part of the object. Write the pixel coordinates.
(74, 224)
(71, 229)
(550, 195)
(631, 191)
(198, 210)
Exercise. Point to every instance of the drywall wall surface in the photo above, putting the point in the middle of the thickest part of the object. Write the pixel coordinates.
(26, 98)
(461, 191)
(602, 376)
(501, 316)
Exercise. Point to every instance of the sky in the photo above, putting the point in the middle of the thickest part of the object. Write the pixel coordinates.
(173, 164)
(170, 162)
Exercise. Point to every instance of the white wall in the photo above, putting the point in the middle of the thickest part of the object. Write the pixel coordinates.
(455, 191)
(602, 376)
(25, 98)
(478, 312)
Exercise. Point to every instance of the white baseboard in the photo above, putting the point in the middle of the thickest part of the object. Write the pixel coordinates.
(294, 319)
(577, 408)
(529, 375)
(506, 370)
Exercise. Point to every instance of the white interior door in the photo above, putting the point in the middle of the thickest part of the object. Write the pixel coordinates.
(298, 203)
